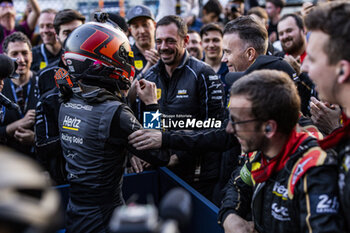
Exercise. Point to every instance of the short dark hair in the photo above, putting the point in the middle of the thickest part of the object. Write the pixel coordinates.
(177, 20)
(15, 37)
(277, 3)
(210, 27)
(66, 16)
(249, 30)
(213, 6)
(332, 19)
(273, 95)
(297, 18)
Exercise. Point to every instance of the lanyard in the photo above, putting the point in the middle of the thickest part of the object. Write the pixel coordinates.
(2, 114)
(44, 54)
(15, 96)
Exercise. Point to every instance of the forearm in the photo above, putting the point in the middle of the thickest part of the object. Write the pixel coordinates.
(210, 139)
(34, 14)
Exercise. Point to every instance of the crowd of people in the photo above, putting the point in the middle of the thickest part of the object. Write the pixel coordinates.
(247, 105)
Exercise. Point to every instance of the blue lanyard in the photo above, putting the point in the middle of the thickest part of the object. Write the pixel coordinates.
(44, 54)
(15, 96)
(2, 114)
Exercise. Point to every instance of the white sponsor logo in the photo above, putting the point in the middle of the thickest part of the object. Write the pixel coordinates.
(217, 92)
(213, 77)
(78, 106)
(72, 139)
(182, 92)
(280, 190)
(280, 213)
(299, 170)
(327, 204)
(215, 85)
(71, 123)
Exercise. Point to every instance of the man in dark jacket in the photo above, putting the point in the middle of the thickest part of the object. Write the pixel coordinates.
(187, 89)
(16, 125)
(328, 65)
(95, 122)
(47, 140)
(288, 182)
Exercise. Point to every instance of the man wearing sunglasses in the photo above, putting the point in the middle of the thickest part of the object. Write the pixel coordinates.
(7, 19)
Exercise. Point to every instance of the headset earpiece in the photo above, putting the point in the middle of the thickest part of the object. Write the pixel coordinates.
(268, 129)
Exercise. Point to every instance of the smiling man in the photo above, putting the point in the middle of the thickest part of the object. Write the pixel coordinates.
(187, 87)
(211, 35)
(17, 126)
(287, 177)
(195, 47)
(244, 40)
(142, 28)
(49, 50)
(291, 33)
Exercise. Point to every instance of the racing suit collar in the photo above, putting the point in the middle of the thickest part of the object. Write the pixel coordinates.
(97, 94)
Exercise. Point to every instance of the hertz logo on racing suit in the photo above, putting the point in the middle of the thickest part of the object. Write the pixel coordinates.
(71, 123)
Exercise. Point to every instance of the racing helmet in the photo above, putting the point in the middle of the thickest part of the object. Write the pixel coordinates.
(100, 52)
(27, 201)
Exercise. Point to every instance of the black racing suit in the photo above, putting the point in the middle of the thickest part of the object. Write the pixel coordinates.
(193, 91)
(343, 150)
(94, 127)
(302, 197)
(339, 140)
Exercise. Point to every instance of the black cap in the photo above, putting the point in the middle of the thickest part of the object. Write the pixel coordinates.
(139, 11)
(263, 62)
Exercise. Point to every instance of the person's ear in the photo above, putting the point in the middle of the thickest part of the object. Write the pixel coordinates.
(270, 128)
(186, 40)
(343, 71)
(251, 54)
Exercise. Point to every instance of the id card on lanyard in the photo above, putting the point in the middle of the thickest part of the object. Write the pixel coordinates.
(16, 98)
(44, 63)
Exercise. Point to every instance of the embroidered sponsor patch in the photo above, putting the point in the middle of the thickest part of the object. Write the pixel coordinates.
(312, 158)
(159, 93)
(71, 123)
(280, 191)
(324, 204)
(346, 163)
(246, 175)
(213, 77)
(182, 94)
(138, 64)
(42, 65)
(280, 212)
